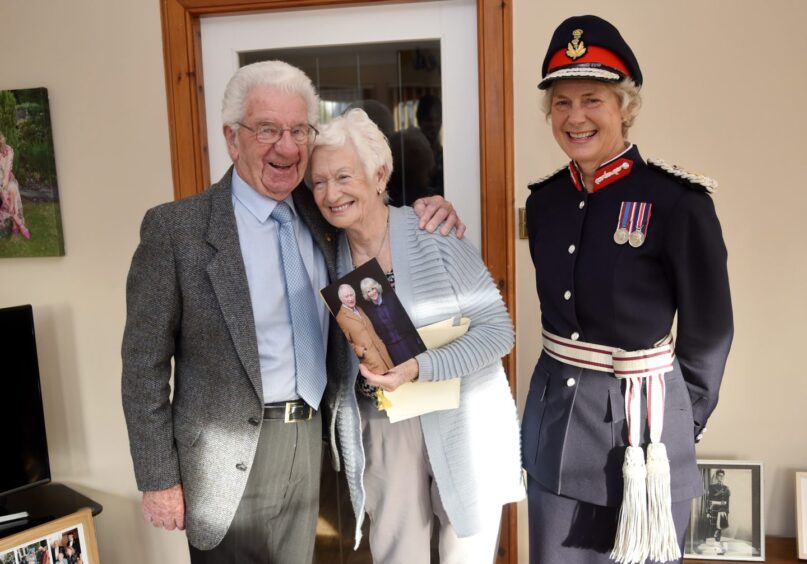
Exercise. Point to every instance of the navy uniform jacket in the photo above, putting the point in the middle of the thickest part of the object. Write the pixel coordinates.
(574, 431)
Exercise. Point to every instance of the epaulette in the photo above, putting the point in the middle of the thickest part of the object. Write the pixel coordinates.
(535, 184)
(696, 180)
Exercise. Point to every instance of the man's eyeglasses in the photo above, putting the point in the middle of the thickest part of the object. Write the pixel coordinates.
(270, 133)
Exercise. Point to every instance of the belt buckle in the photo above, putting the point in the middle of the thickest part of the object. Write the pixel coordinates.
(290, 405)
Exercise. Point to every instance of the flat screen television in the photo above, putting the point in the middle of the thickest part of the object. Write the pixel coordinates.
(24, 461)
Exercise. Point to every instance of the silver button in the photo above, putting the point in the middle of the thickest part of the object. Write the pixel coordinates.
(570, 382)
(566, 295)
(575, 336)
(571, 249)
(581, 205)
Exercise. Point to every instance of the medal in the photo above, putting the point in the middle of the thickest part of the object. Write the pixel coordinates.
(639, 233)
(636, 239)
(624, 223)
(634, 217)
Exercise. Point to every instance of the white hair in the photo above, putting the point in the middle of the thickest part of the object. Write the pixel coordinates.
(343, 290)
(368, 284)
(275, 74)
(372, 147)
(628, 94)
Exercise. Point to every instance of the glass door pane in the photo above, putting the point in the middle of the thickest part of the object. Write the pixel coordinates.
(398, 84)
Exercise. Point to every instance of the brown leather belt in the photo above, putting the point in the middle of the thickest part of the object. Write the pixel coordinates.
(289, 411)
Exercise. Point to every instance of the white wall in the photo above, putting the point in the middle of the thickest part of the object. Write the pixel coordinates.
(722, 96)
(724, 82)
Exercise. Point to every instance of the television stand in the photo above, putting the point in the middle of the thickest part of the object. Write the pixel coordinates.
(41, 504)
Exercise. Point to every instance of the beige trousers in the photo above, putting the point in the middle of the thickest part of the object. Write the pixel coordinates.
(402, 498)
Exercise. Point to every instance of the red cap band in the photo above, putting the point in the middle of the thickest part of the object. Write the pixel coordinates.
(594, 54)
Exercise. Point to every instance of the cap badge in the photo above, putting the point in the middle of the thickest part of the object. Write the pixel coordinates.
(576, 48)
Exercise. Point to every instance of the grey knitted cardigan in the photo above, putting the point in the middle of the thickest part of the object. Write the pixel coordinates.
(474, 449)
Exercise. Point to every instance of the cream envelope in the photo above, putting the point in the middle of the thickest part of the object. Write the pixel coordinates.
(416, 398)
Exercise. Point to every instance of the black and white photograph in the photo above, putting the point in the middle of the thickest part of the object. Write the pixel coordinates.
(8, 557)
(801, 513)
(727, 523)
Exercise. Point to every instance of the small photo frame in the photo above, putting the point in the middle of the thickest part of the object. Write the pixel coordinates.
(727, 523)
(801, 513)
(69, 539)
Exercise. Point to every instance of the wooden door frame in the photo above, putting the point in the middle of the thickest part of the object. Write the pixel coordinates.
(182, 53)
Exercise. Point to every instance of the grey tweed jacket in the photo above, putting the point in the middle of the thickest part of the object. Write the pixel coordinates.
(188, 302)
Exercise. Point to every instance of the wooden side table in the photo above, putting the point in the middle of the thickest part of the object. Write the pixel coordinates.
(778, 550)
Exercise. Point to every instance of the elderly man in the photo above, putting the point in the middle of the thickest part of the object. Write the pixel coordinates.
(357, 327)
(223, 284)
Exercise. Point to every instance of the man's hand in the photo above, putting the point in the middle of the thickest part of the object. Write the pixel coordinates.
(398, 375)
(165, 508)
(434, 210)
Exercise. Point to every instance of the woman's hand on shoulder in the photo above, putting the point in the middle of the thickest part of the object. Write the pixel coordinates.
(397, 376)
(435, 210)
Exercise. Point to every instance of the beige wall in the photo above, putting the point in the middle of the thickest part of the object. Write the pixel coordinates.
(709, 106)
(722, 95)
(102, 65)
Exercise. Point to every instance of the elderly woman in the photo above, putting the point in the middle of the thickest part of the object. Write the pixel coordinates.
(620, 246)
(387, 316)
(361, 335)
(459, 465)
(10, 201)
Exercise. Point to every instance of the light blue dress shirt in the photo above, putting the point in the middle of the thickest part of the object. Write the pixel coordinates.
(260, 248)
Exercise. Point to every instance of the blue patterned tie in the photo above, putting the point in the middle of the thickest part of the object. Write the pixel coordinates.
(309, 355)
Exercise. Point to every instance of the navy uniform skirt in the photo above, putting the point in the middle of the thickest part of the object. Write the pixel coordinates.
(568, 531)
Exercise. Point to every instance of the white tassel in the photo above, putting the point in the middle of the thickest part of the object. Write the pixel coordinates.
(663, 540)
(631, 544)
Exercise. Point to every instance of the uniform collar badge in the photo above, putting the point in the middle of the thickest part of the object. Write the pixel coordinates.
(577, 179)
(605, 175)
(576, 48)
(612, 172)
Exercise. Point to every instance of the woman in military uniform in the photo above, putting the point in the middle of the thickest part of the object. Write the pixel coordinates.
(620, 246)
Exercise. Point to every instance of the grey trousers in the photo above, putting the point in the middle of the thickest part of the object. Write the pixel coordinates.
(275, 523)
(568, 531)
(402, 498)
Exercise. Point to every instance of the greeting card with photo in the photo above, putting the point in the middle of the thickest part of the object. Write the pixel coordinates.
(382, 336)
(369, 313)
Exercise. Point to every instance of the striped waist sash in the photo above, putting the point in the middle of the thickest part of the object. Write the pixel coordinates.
(621, 363)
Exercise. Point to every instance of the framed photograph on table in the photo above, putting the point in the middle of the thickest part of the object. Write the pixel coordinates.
(727, 523)
(68, 539)
(801, 513)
